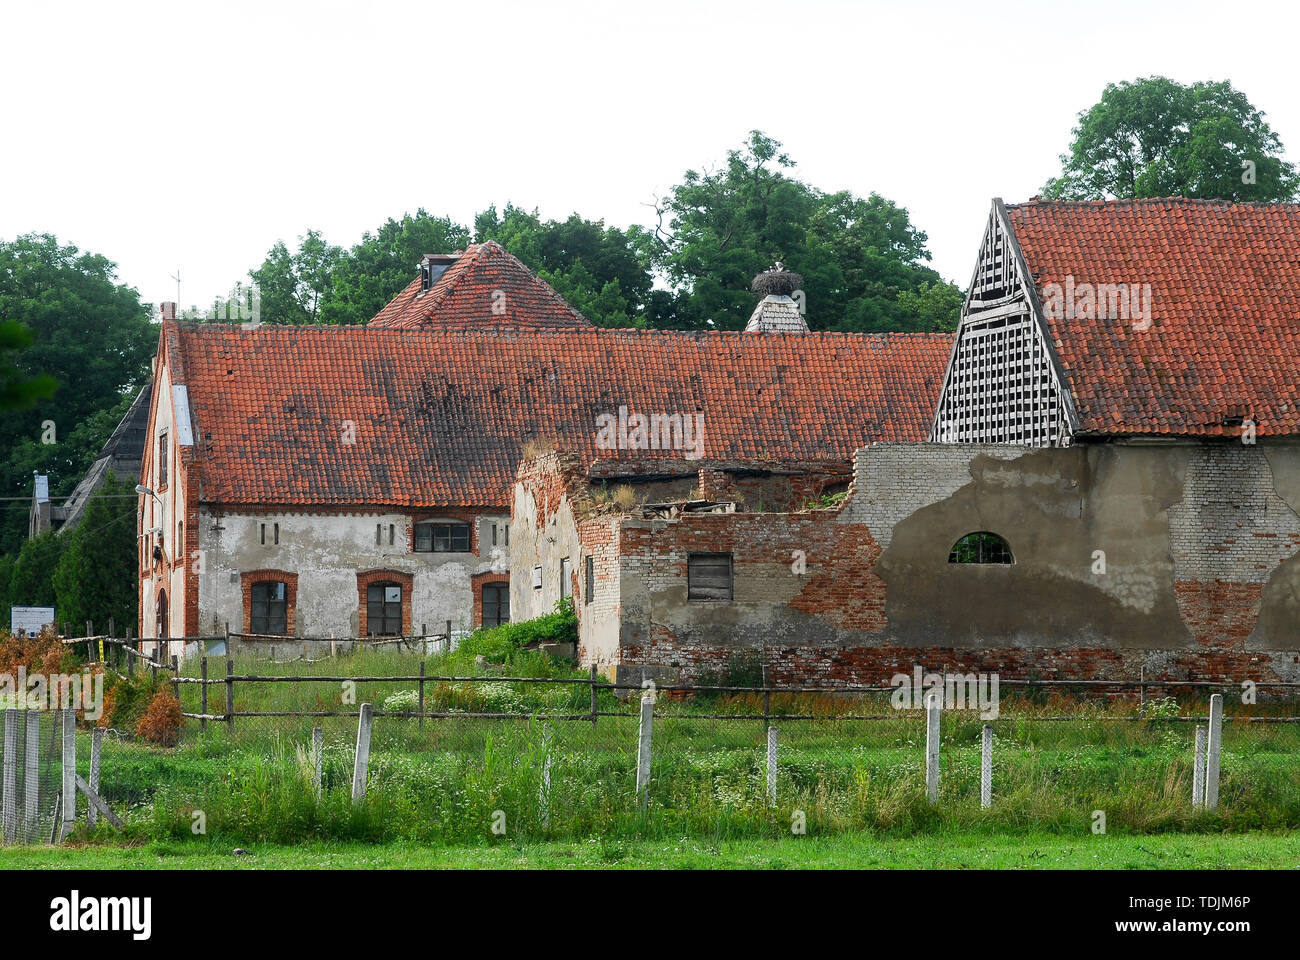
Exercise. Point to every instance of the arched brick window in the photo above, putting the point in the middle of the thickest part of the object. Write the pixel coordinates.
(270, 602)
(384, 599)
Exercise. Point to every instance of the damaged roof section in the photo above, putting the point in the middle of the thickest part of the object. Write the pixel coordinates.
(427, 416)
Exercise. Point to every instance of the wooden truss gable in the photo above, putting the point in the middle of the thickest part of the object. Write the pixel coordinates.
(1003, 383)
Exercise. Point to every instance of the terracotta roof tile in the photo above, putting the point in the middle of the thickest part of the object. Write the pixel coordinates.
(485, 287)
(1224, 337)
(441, 415)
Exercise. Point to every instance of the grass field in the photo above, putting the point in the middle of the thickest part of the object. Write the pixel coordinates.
(847, 851)
(467, 792)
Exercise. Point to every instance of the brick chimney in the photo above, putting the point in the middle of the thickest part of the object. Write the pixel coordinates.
(778, 311)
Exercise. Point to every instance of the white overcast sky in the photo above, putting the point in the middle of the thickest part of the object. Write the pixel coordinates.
(194, 136)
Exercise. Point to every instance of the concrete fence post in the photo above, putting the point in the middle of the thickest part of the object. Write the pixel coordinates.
(544, 790)
(96, 744)
(10, 814)
(362, 759)
(317, 756)
(32, 777)
(771, 766)
(986, 767)
(932, 707)
(1212, 753)
(643, 747)
(69, 771)
(1198, 769)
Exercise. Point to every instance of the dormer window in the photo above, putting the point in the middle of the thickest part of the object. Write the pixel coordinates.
(432, 267)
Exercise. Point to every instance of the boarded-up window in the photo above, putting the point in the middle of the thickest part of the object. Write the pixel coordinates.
(590, 586)
(566, 577)
(708, 576)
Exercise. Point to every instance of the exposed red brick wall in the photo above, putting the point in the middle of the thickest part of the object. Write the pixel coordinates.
(366, 578)
(1221, 614)
(873, 665)
(246, 581)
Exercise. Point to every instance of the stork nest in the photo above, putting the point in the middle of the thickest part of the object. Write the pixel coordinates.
(777, 282)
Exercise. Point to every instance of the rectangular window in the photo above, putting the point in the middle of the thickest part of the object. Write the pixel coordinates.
(537, 578)
(379, 532)
(277, 533)
(566, 579)
(590, 586)
(392, 534)
(708, 576)
(162, 459)
(507, 534)
(268, 614)
(494, 534)
(384, 610)
(442, 538)
(263, 529)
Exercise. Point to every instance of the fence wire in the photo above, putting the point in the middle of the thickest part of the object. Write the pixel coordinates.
(31, 754)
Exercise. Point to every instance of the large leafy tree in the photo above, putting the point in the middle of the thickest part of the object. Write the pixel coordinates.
(294, 284)
(374, 271)
(1155, 137)
(604, 272)
(95, 579)
(88, 334)
(858, 256)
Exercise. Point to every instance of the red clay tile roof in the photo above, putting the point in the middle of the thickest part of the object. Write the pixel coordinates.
(441, 416)
(1224, 339)
(485, 287)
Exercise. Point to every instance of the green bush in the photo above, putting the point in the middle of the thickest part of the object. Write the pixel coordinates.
(498, 643)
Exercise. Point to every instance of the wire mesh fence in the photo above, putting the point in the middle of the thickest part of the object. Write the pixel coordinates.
(563, 752)
(30, 753)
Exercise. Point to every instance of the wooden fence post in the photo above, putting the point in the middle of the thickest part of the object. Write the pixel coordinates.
(986, 767)
(932, 706)
(203, 693)
(32, 777)
(643, 747)
(1212, 754)
(10, 809)
(1198, 769)
(771, 766)
(230, 691)
(90, 644)
(176, 679)
(69, 771)
(130, 660)
(362, 759)
(593, 696)
(96, 743)
(421, 694)
(318, 752)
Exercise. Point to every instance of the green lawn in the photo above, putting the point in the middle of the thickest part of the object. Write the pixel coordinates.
(846, 851)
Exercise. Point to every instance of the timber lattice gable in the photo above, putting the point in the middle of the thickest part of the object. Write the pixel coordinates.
(1002, 384)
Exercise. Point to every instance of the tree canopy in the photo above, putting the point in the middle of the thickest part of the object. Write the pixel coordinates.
(85, 333)
(1155, 137)
(864, 262)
